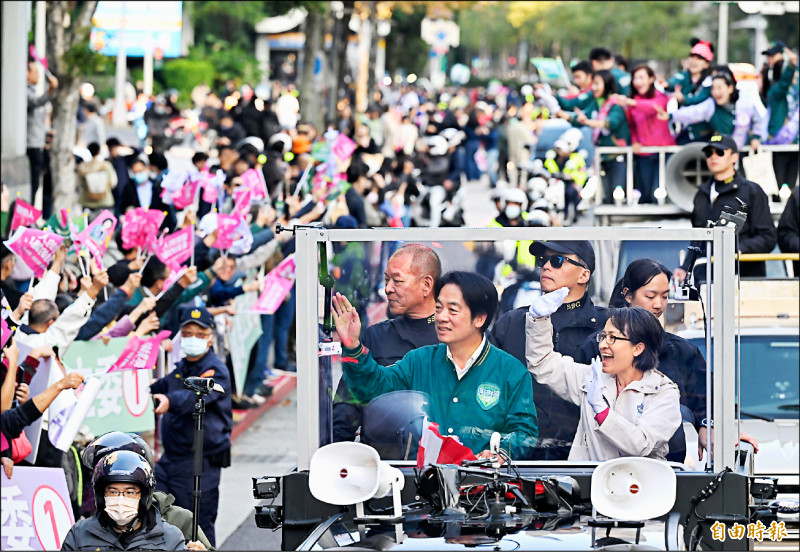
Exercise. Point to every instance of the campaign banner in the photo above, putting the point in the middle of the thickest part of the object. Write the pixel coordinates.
(25, 214)
(174, 249)
(36, 509)
(69, 422)
(277, 285)
(243, 336)
(60, 409)
(140, 354)
(98, 235)
(226, 230)
(343, 147)
(123, 399)
(34, 247)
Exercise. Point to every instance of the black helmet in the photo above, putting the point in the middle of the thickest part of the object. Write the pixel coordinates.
(124, 466)
(113, 441)
(393, 423)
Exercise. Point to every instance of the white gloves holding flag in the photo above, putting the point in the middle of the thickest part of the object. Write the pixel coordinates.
(594, 387)
(548, 303)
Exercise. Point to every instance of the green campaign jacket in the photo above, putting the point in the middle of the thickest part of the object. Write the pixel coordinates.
(496, 393)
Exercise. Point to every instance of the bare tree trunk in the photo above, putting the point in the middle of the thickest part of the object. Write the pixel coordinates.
(60, 42)
(373, 49)
(309, 96)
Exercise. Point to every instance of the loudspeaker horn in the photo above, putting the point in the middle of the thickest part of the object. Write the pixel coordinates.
(349, 473)
(633, 488)
(684, 172)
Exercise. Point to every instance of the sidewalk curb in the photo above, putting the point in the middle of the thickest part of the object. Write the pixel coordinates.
(283, 387)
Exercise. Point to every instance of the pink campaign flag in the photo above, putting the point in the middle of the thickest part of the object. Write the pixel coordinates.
(174, 249)
(437, 449)
(140, 227)
(174, 276)
(25, 214)
(139, 354)
(226, 230)
(98, 235)
(241, 202)
(343, 147)
(255, 182)
(277, 285)
(186, 195)
(35, 248)
(211, 187)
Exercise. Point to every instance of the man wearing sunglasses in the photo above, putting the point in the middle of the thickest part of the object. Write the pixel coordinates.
(722, 192)
(561, 264)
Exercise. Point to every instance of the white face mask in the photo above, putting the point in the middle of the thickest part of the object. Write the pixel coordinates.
(122, 509)
(194, 346)
(513, 211)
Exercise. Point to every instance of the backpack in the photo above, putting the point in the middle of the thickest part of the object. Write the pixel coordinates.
(98, 183)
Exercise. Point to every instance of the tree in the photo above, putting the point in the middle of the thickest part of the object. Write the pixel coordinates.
(69, 58)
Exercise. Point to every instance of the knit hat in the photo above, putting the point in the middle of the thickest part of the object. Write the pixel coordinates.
(703, 49)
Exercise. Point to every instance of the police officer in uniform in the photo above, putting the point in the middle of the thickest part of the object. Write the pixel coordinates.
(561, 263)
(410, 277)
(174, 470)
(723, 190)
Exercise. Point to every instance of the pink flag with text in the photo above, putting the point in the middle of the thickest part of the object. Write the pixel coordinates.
(186, 196)
(277, 285)
(175, 248)
(139, 354)
(226, 230)
(98, 235)
(343, 147)
(25, 214)
(255, 182)
(241, 202)
(34, 247)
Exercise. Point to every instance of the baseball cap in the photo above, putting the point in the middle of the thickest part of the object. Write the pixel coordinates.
(775, 47)
(197, 315)
(721, 141)
(582, 248)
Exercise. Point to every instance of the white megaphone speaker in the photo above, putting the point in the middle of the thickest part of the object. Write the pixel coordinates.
(633, 489)
(352, 473)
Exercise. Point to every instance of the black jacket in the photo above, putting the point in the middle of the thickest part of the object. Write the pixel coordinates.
(678, 359)
(757, 235)
(388, 341)
(572, 323)
(94, 534)
(789, 228)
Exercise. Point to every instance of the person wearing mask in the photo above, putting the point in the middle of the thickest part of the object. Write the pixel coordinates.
(175, 403)
(123, 483)
(726, 111)
(628, 407)
(693, 86)
(410, 279)
(475, 389)
(142, 191)
(119, 160)
(36, 131)
(609, 128)
(561, 264)
(568, 165)
(516, 254)
(725, 189)
(647, 129)
(115, 441)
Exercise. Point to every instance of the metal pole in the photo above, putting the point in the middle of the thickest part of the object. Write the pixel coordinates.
(119, 115)
(40, 43)
(147, 86)
(722, 39)
(199, 410)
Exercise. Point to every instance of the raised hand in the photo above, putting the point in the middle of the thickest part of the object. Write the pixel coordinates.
(548, 303)
(348, 323)
(593, 381)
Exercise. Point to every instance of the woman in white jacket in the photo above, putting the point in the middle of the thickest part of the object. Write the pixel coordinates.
(628, 407)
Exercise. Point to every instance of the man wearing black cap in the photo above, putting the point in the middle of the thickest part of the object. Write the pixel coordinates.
(724, 191)
(174, 470)
(561, 263)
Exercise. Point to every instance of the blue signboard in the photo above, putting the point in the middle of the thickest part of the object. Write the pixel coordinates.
(141, 25)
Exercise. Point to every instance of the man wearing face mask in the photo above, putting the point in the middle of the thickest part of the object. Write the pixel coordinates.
(141, 191)
(516, 254)
(123, 484)
(174, 470)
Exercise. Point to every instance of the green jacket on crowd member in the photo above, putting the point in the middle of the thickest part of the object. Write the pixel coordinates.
(692, 96)
(495, 394)
(623, 80)
(583, 101)
(777, 99)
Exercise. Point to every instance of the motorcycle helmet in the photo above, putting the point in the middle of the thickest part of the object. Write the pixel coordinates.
(124, 466)
(515, 195)
(115, 441)
(437, 145)
(569, 140)
(537, 186)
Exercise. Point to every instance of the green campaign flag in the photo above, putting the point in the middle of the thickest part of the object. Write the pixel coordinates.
(123, 403)
(551, 70)
(243, 336)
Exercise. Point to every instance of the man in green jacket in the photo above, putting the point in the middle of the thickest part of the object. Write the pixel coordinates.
(475, 388)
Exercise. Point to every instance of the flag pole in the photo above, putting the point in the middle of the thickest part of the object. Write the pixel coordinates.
(192, 246)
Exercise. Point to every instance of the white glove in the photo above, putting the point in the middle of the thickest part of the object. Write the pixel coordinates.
(548, 303)
(594, 387)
